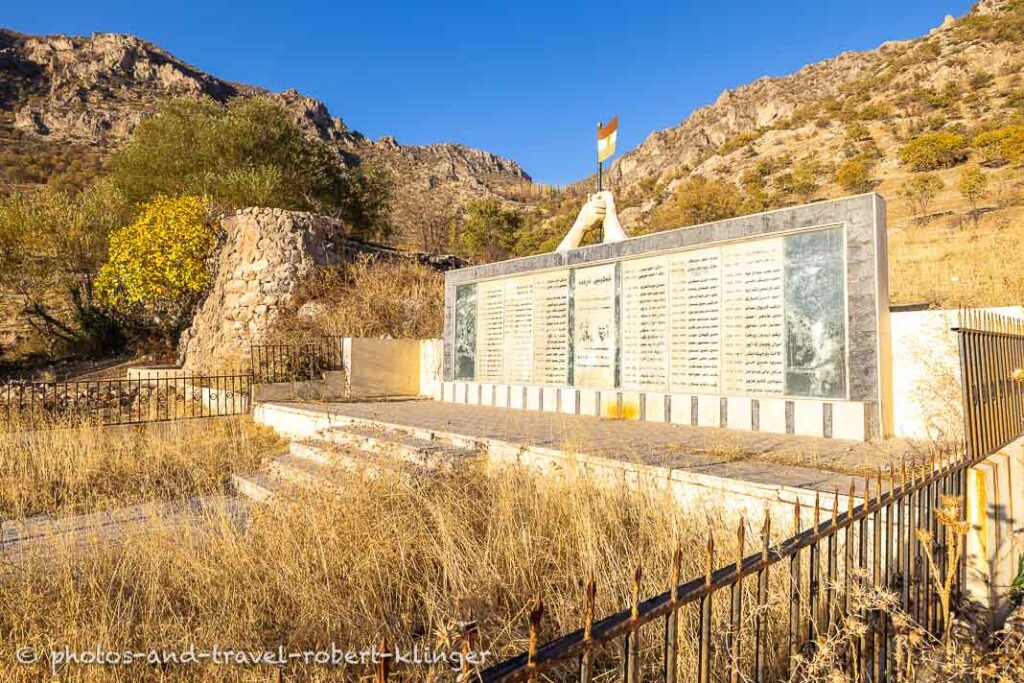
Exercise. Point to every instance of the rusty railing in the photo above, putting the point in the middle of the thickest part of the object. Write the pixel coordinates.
(879, 540)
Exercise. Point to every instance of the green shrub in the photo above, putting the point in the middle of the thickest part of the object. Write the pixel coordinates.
(486, 231)
(980, 79)
(1005, 144)
(698, 199)
(875, 111)
(857, 132)
(855, 175)
(930, 151)
(738, 142)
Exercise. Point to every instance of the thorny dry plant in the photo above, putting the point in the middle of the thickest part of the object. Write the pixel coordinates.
(962, 653)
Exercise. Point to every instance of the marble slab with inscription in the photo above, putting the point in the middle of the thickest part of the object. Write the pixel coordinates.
(551, 328)
(517, 362)
(490, 336)
(595, 329)
(645, 316)
(695, 292)
(753, 318)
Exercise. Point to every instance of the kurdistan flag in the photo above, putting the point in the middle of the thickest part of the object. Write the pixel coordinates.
(606, 136)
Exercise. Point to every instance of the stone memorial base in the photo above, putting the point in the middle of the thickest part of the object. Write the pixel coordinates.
(807, 417)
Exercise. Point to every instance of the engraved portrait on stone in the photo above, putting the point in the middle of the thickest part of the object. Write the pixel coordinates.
(465, 332)
(815, 314)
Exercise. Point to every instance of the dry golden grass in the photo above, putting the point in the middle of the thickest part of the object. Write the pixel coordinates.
(88, 468)
(367, 298)
(948, 259)
(402, 560)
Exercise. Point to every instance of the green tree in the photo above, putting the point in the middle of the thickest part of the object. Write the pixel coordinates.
(919, 191)
(930, 151)
(486, 231)
(247, 153)
(972, 184)
(51, 246)
(855, 175)
(158, 264)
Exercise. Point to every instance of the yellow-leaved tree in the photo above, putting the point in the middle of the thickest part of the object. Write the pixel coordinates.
(157, 265)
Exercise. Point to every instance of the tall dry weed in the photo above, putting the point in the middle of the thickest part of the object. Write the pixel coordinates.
(403, 561)
(62, 471)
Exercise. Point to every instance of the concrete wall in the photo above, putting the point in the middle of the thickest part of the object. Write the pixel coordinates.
(927, 397)
(382, 367)
(995, 542)
(430, 368)
(808, 417)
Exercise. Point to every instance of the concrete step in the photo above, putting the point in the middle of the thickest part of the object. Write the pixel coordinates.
(255, 486)
(299, 420)
(354, 461)
(20, 538)
(401, 445)
(301, 471)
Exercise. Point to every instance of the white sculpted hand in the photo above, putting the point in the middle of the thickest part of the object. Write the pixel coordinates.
(599, 210)
(613, 231)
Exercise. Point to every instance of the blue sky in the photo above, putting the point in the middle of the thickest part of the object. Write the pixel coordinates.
(525, 80)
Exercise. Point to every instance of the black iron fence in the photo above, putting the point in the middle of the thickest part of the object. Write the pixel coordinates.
(270, 363)
(162, 395)
(902, 534)
(153, 397)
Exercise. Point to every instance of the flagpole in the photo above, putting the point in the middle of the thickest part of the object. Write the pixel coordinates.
(600, 229)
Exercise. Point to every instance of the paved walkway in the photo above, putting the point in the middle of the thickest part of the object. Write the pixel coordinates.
(753, 456)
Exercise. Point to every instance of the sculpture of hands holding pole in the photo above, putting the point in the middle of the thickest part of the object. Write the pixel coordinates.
(599, 210)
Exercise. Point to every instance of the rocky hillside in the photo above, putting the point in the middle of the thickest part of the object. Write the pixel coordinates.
(838, 127)
(65, 102)
(843, 126)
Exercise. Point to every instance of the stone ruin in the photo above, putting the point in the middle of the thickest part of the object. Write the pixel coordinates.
(265, 255)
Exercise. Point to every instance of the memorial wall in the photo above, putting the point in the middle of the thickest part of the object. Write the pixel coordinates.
(764, 317)
(734, 309)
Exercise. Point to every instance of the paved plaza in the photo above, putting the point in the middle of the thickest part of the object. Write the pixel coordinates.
(789, 460)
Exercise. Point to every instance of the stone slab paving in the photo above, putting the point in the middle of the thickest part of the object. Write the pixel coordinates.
(40, 534)
(787, 460)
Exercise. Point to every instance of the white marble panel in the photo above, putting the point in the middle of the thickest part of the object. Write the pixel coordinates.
(490, 339)
(595, 328)
(752, 317)
(695, 293)
(645, 316)
(551, 328)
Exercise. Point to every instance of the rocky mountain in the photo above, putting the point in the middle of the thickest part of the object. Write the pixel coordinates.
(837, 127)
(843, 126)
(65, 102)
